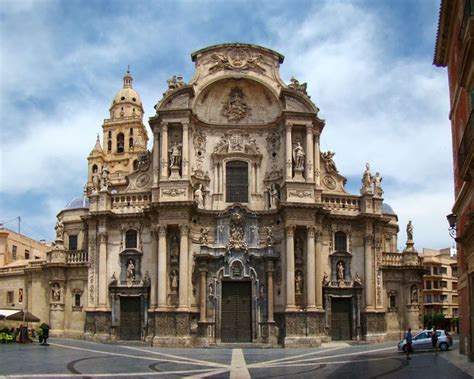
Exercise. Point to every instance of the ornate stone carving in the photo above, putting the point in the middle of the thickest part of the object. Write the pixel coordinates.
(175, 155)
(414, 294)
(56, 292)
(237, 142)
(298, 157)
(204, 237)
(329, 182)
(235, 108)
(301, 193)
(273, 143)
(269, 239)
(144, 161)
(199, 142)
(199, 196)
(236, 238)
(377, 180)
(367, 181)
(274, 175)
(325, 280)
(59, 231)
(175, 82)
(357, 280)
(295, 84)
(299, 283)
(173, 192)
(409, 232)
(236, 58)
(130, 272)
(273, 196)
(329, 162)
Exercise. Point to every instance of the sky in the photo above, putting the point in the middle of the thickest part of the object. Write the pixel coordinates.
(368, 65)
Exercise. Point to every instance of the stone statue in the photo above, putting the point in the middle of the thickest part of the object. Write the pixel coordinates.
(414, 295)
(204, 237)
(295, 84)
(175, 155)
(235, 109)
(236, 238)
(299, 283)
(325, 279)
(366, 181)
(269, 235)
(105, 181)
(174, 281)
(211, 290)
(146, 279)
(56, 292)
(95, 182)
(357, 280)
(113, 280)
(176, 81)
(298, 156)
(377, 180)
(274, 196)
(409, 231)
(340, 271)
(329, 162)
(59, 230)
(262, 291)
(199, 196)
(130, 272)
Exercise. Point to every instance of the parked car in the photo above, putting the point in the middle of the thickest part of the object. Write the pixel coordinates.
(422, 340)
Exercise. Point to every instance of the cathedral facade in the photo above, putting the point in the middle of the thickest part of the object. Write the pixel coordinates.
(235, 227)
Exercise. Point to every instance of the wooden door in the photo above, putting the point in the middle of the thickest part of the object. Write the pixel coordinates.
(236, 321)
(130, 318)
(341, 320)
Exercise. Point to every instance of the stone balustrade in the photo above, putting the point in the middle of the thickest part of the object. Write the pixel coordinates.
(77, 256)
(392, 259)
(340, 203)
(130, 203)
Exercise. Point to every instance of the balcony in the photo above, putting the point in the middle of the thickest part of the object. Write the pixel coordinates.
(466, 150)
(77, 256)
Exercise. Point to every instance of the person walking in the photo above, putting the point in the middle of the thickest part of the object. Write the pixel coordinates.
(408, 346)
(434, 340)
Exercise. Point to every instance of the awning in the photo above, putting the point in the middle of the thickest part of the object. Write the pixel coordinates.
(17, 315)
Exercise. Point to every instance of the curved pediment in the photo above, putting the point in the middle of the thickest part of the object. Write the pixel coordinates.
(237, 101)
(296, 101)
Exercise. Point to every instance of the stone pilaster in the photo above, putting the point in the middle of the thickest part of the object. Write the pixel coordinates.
(270, 300)
(202, 294)
(288, 153)
(309, 171)
(310, 270)
(290, 269)
(154, 268)
(317, 161)
(164, 152)
(156, 158)
(319, 270)
(103, 270)
(185, 163)
(162, 271)
(369, 280)
(183, 269)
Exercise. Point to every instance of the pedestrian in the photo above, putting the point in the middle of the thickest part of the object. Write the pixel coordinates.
(409, 340)
(434, 340)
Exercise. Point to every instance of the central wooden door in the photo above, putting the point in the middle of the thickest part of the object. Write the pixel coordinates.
(341, 320)
(130, 318)
(236, 324)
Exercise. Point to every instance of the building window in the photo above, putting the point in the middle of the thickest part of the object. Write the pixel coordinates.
(135, 165)
(444, 284)
(20, 295)
(393, 301)
(109, 145)
(428, 284)
(77, 299)
(131, 238)
(131, 131)
(443, 270)
(94, 169)
(435, 284)
(340, 241)
(237, 186)
(455, 300)
(73, 242)
(444, 298)
(455, 312)
(428, 299)
(10, 297)
(130, 142)
(435, 270)
(454, 272)
(435, 298)
(455, 286)
(14, 252)
(120, 143)
(27, 254)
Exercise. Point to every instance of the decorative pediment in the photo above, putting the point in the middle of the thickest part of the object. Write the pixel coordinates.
(239, 145)
(178, 97)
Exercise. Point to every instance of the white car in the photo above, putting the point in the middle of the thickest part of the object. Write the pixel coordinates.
(422, 340)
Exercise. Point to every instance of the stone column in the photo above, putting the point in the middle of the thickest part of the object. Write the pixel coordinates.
(162, 269)
(310, 271)
(270, 291)
(154, 267)
(156, 158)
(102, 269)
(164, 151)
(216, 177)
(289, 154)
(319, 271)
(290, 269)
(202, 294)
(369, 280)
(183, 269)
(185, 163)
(317, 161)
(309, 171)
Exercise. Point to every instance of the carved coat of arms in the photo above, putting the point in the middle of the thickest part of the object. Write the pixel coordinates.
(235, 108)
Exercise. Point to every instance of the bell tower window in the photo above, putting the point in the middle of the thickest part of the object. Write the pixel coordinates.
(120, 143)
(130, 142)
(237, 182)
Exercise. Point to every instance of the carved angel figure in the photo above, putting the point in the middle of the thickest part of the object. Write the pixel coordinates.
(295, 84)
(357, 280)
(409, 231)
(329, 162)
(366, 181)
(204, 235)
(56, 292)
(298, 156)
(377, 180)
(59, 230)
(269, 235)
(325, 279)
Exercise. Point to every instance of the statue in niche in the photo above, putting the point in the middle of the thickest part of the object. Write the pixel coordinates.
(175, 155)
(174, 249)
(414, 294)
(59, 230)
(204, 237)
(274, 196)
(299, 283)
(105, 181)
(409, 231)
(377, 180)
(236, 238)
(211, 290)
(174, 281)
(298, 156)
(340, 271)
(130, 272)
(366, 181)
(357, 280)
(325, 279)
(56, 292)
(199, 196)
(96, 181)
(329, 162)
(269, 235)
(262, 291)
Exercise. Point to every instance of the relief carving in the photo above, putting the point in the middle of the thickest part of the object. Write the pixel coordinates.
(235, 108)
(236, 59)
(329, 162)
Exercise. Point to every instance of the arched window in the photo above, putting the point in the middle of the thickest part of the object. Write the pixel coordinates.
(109, 145)
(131, 239)
(130, 142)
(237, 182)
(340, 241)
(94, 169)
(120, 143)
(131, 129)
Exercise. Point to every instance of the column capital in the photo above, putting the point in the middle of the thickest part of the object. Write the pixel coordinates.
(290, 229)
(184, 229)
(164, 126)
(162, 230)
(369, 239)
(288, 126)
(311, 230)
(309, 129)
(185, 124)
(269, 267)
(102, 237)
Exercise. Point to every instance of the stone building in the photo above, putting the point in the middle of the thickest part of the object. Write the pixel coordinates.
(235, 227)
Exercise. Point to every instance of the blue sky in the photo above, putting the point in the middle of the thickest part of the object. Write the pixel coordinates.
(368, 65)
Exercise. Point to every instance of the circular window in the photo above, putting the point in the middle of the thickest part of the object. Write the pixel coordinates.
(274, 154)
(199, 153)
(134, 99)
(122, 98)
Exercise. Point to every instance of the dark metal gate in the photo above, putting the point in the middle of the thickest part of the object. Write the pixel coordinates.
(130, 318)
(341, 320)
(236, 322)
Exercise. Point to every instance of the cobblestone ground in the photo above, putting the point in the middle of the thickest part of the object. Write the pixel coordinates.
(67, 358)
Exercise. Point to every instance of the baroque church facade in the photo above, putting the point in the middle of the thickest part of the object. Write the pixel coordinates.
(235, 227)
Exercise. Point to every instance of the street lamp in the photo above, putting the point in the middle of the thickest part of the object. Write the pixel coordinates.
(452, 225)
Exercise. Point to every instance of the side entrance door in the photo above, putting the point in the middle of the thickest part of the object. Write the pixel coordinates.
(236, 321)
(341, 320)
(130, 318)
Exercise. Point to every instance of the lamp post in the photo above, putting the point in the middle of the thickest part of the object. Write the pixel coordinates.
(452, 225)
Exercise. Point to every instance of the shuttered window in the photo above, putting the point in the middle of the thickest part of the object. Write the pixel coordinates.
(237, 182)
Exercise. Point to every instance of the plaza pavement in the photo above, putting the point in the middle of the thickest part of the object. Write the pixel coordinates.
(77, 358)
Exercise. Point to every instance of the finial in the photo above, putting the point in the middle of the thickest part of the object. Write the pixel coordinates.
(128, 69)
(98, 138)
